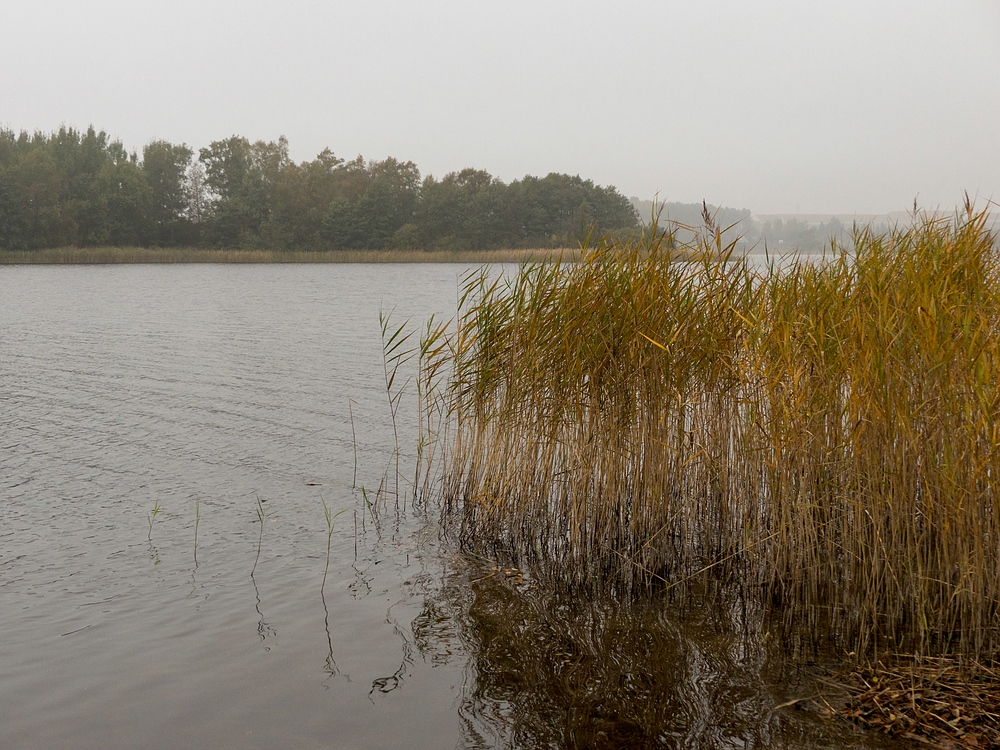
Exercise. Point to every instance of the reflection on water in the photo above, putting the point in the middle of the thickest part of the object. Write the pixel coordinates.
(553, 670)
(199, 389)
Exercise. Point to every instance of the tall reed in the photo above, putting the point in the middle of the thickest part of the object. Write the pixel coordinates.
(823, 438)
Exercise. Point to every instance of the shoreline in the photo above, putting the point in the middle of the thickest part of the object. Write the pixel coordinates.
(143, 255)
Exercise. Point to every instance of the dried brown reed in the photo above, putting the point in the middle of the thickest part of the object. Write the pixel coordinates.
(930, 701)
(824, 439)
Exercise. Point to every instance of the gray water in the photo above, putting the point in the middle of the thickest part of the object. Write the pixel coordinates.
(198, 390)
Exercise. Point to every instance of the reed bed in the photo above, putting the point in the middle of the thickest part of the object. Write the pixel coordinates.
(822, 439)
(117, 255)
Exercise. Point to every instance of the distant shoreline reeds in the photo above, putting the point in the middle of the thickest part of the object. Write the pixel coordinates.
(137, 255)
(822, 438)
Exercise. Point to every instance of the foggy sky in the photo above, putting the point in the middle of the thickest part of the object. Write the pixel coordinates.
(773, 105)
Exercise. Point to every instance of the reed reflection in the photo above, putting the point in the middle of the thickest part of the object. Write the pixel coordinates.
(552, 669)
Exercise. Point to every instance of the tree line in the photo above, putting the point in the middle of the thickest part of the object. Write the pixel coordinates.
(84, 188)
(776, 235)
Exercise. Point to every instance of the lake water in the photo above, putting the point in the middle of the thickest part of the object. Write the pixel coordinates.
(198, 390)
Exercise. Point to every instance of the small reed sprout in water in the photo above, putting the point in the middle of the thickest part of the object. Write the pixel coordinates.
(152, 518)
(261, 515)
(197, 520)
(822, 437)
(330, 517)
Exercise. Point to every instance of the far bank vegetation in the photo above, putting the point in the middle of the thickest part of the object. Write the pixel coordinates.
(84, 189)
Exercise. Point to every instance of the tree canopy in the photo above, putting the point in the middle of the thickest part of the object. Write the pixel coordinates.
(83, 188)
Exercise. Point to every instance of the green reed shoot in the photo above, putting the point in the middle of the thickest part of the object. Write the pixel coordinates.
(330, 517)
(152, 517)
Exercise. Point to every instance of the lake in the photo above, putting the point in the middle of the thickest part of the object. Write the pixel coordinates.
(220, 395)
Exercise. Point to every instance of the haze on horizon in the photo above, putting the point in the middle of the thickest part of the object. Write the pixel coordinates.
(774, 106)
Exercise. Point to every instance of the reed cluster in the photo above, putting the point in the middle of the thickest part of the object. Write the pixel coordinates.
(823, 438)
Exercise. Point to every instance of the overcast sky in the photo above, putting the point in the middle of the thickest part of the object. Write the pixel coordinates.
(776, 106)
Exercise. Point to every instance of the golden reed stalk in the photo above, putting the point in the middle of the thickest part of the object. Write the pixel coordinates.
(822, 438)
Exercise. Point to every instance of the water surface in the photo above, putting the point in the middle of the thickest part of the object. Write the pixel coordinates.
(198, 390)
